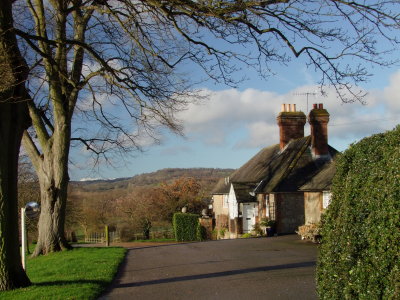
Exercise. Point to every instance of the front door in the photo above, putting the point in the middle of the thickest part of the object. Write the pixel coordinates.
(249, 216)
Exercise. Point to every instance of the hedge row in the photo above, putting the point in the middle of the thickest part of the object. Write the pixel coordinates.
(359, 257)
(185, 226)
(201, 232)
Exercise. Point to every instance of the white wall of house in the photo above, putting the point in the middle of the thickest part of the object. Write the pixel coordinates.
(232, 204)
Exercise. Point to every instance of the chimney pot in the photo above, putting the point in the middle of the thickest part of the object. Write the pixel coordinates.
(283, 107)
(294, 107)
(315, 106)
(321, 106)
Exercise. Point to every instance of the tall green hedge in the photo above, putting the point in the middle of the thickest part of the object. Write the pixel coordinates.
(185, 226)
(201, 232)
(359, 257)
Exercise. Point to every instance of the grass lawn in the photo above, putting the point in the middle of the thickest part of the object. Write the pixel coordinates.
(82, 273)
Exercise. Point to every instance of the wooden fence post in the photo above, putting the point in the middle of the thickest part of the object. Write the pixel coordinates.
(107, 236)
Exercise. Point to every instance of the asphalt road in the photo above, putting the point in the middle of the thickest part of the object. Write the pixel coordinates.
(260, 268)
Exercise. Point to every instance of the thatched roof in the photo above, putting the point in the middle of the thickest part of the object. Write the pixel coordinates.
(321, 181)
(256, 168)
(293, 168)
(222, 187)
(242, 191)
(290, 170)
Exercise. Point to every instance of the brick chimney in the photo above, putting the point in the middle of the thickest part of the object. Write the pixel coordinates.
(318, 119)
(291, 124)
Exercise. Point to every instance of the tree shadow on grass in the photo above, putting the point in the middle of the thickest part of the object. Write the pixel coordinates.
(217, 274)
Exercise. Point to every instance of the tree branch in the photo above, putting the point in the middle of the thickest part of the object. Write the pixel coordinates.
(32, 150)
(37, 123)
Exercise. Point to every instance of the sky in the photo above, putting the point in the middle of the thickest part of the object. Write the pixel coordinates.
(232, 125)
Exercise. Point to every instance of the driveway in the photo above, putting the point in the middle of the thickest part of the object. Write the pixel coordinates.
(260, 268)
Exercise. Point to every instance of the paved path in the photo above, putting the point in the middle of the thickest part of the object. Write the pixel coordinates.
(263, 268)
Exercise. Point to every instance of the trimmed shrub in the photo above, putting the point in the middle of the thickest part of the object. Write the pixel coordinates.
(185, 226)
(201, 232)
(359, 256)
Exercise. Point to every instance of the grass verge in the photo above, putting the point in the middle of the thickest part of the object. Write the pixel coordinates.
(82, 273)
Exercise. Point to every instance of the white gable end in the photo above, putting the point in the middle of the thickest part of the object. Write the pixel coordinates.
(232, 204)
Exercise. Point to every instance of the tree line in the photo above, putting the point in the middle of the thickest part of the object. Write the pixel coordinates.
(136, 210)
(126, 211)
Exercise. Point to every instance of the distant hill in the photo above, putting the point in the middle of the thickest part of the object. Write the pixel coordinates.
(101, 185)
(207, 177)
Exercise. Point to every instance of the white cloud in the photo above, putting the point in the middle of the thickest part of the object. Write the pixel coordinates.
(260, 134)
(392, 94)
(228, 113)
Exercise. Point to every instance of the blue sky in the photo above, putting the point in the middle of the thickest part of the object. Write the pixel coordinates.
(234, 124)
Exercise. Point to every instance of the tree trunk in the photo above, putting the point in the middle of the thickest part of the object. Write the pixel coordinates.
(14, 118)
(51, 222)
(12, 275)
(53, 179)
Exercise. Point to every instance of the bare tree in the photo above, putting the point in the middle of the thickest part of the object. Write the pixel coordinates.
(83, 54)
(13, 120)
(90, 210)
(140, 208)
(88, 56)
(93, 211)
(183, 192)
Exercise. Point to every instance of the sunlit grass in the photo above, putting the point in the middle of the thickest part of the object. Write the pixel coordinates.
(82, 273)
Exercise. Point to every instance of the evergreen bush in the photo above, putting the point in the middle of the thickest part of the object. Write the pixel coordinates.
(359, 257)
(185, 226)
(201, 232)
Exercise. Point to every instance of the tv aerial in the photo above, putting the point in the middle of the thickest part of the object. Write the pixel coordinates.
(307, 94)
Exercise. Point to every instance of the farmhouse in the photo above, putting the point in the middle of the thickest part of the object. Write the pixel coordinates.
(288, 182)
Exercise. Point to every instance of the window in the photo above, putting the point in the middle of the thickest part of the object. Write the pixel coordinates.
(270, 207)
